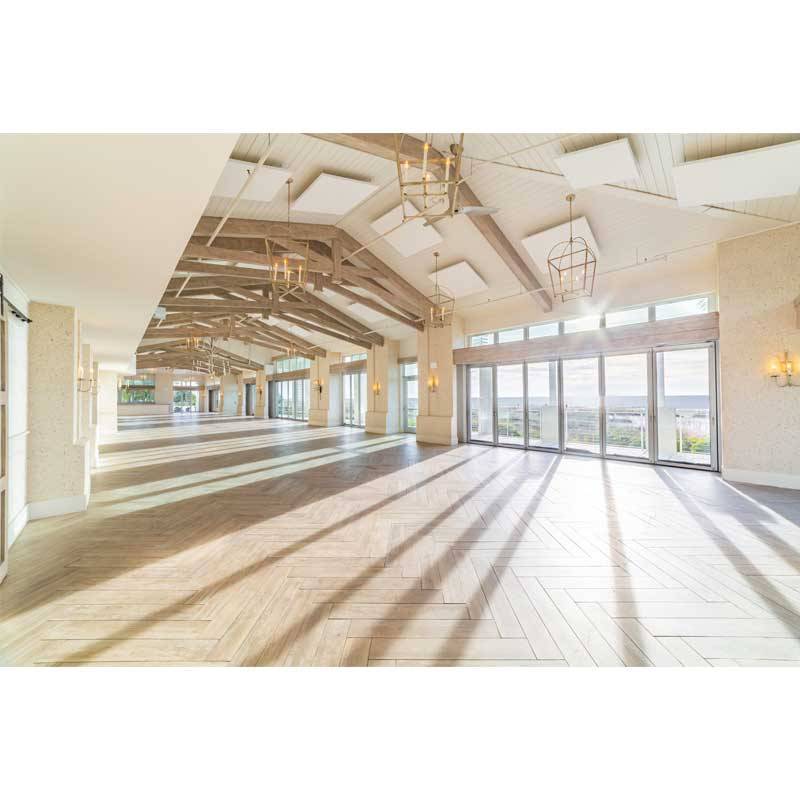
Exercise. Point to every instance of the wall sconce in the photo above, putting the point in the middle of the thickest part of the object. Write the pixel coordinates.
(781, 370)
(84, 384)
(376, 388)
(260, 390)
(317, 385)
(433, 383)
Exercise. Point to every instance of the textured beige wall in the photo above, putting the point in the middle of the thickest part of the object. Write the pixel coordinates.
(759, 279)
(107, 402)
(58, 461)
(383, 410)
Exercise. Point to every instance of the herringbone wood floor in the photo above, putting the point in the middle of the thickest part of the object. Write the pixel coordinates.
(224, 541)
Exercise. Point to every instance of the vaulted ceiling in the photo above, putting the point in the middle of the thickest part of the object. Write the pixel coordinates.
(364, 287)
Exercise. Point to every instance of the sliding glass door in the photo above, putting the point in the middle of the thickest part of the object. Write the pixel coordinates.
(481, 404)
(582, 404)
(511, 404)
(410, 386)
(685, 402)
(543, 405)
(627, 405)
(354, 388)
(292, 399)
(657, 405)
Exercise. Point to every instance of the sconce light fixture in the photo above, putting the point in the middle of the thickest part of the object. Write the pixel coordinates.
(376, 388)
(84, 384)
(781, 370)
(433, 383)
(318, 385)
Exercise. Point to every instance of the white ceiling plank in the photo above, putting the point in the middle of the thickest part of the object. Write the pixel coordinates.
(460, 279)
(333, 194)
(412, 237)
(612, 162)
(265, 185)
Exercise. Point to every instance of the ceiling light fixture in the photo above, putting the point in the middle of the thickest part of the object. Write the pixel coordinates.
(442, 303)
(290, 264)
(572, 265)
(430, 180)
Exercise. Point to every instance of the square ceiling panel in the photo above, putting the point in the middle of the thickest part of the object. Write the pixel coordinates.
(267, 182)
(460, 279)
(751, 175)
(540, 244)
(411, 238)
(607, 163)
(365, 313)
(332, 194)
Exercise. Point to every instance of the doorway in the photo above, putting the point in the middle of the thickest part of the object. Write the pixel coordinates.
(249, 399)
(410, 396)
(354, 391)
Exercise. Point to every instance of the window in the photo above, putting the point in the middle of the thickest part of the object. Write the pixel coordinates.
(582, 324)
(410, 387)
(292, 399)
(682, 308)
(480, 339)
(630, 316)
(511, 335)
(354, 357)
(137, 389)
(540, 331)
(292, 364)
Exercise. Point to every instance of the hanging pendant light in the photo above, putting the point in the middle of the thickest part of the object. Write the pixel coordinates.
(442, 303)
(572, 265)
(290, 265)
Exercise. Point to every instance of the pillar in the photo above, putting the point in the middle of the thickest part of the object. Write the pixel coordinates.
(325, 407)
(58, 458)
(239, 395)
(229, 395)
(202, 406)
(164, 389)
(261, 394)
(383, 371)
(106, 403)
(437, 418)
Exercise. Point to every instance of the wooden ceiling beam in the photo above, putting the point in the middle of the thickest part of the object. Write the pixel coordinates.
(375, 306)
(383, 146)
(294, 320)
(265, 229)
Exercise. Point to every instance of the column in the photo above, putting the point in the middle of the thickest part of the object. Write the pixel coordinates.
(239, 395)
(203, 393)
(325, 407)
(261, 394)
(164, 391)
(229, 394)
(383, 374)
(106, 403)
(437, 418)
(58, 459)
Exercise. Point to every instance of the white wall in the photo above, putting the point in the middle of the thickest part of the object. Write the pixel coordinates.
(759, 279)
(17, 413)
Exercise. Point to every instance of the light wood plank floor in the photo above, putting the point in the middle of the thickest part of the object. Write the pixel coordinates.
(233, 541)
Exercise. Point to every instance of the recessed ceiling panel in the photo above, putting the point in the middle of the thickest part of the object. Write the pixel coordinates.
(267, 182)
(607, 163)
(460, 279)
(540, 244)
(753, 174)
(332, 194)
(411, 238)
(365, 313)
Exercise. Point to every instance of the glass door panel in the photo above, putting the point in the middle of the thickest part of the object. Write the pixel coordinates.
(481, 405)
(683, 405)
(410, 397)
(362, 399)
(582, 404)
(347, 405)
(543, 405)
(627, 406)
(510, 404)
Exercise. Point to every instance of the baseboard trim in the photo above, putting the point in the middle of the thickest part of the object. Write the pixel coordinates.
(17, 524)
(57, 506)
(781, 480)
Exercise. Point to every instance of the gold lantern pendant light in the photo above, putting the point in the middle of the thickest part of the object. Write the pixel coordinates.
(572, 265)
(289, 267)
(442, 303)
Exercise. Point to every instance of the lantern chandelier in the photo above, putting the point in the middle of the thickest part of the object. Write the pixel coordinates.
(290, 265)
(430, 181)
(442, 303)
(572, 265)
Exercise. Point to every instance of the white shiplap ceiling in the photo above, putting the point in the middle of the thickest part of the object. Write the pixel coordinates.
(633, 221)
